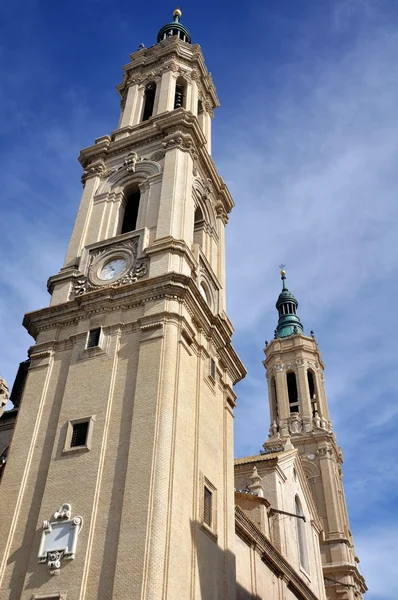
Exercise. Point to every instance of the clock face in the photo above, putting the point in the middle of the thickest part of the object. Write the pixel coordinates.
(112, 269)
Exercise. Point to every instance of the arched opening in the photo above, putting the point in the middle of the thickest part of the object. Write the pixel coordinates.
(198, 226)
(131, 205)
(312, 389)
(204, 290)
(294, 404)
(149, 100)
(302, 544)
(180, 93)
(274, 400)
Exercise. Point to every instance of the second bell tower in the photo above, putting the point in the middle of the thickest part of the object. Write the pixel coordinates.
(299, 412)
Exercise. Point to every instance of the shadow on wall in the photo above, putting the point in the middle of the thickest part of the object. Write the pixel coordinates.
(216, 569)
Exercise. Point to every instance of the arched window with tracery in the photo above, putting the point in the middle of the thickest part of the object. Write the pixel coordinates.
(294, 404)
(149, 100)
(131, 205)
(302, 542)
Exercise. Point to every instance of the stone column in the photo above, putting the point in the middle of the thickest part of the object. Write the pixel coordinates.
(129, 108)
(167, 92)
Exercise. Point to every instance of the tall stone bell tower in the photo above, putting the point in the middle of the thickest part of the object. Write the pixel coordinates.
(120, 477)
(299, 409)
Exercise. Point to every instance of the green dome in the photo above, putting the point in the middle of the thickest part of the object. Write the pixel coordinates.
(288, 323)
(175, 28)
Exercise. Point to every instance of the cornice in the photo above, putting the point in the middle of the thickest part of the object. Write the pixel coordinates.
(280, 347)
(346, 568)
(248, 531)
(177, 128)
(168, 286)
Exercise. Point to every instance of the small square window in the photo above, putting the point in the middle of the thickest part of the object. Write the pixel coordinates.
(93, 338)
(78, 434)
(213, 368)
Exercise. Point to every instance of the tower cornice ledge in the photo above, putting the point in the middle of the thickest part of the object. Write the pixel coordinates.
(280, 347)
(174, 286)
(178, 125)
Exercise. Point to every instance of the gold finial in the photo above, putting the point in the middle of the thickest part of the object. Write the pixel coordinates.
(282, 268)
(177, 13)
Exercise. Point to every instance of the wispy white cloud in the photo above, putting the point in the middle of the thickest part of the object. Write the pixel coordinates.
(314, 178)
(378, 550)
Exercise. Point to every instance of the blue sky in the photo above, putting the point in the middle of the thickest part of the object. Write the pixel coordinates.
(307, 141)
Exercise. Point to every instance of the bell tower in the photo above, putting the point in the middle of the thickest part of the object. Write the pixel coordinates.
(299, 412)
(119, 482)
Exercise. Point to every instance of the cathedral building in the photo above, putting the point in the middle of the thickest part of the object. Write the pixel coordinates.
(120, 481)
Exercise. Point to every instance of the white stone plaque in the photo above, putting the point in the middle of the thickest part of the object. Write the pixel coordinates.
(59, 538)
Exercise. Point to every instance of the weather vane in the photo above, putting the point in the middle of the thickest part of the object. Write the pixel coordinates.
(282, 266)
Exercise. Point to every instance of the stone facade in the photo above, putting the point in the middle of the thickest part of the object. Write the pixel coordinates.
(120, 477)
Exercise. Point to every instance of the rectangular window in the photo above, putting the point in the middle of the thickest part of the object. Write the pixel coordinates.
(79, 434)
(213, 368)
(93, 337)
(207, 507)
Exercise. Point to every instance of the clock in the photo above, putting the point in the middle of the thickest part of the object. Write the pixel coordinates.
(112, 268)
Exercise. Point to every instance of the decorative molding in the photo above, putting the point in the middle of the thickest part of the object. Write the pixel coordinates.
(136, 270)
(182, 143)
(158, 155)
(131, 161)
(95, 169)
(59, 538)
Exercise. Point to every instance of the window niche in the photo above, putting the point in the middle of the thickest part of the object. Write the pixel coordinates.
(79, 434)
(93, 338)
(208, 507)
(294, 404)
(213, 369)
(149, 100)
(312, 390)
(198, 227)
(131, 203)
(302, 543)
(274, 400)
(180, 93)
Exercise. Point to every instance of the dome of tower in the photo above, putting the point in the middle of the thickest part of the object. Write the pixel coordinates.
(288, 323)
(175, 28)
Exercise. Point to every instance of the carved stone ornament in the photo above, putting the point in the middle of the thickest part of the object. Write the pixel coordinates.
(126, 254)
(95, 168)
(131, 161)
(59, 538)
(186, 145)
(296, 425)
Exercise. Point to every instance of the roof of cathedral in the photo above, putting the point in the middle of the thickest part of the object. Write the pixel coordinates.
(174, 28)
(289, 322)
(261, 457)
